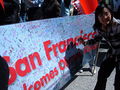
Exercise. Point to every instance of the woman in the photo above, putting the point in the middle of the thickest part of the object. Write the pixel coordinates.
(107, 27)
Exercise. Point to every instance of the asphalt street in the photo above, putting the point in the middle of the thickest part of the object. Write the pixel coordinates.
(85, 81)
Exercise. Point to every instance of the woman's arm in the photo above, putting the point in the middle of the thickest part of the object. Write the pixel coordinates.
(96, 39)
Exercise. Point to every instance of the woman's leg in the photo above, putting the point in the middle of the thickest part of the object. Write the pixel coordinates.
(117, 76)
(106, 68)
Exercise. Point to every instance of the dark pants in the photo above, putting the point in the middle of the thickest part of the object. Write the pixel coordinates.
(106, 69)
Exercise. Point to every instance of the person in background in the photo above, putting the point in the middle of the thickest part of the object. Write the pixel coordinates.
(48, 9)
(88, 57)
(10, 13)
(4, 74)
(73, 57)
(77, 8)
(34, 13)
(114, 5)
(107, 27)
(65, 7)
(51, 9)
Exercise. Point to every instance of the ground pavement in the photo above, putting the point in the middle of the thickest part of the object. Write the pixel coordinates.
(85, 81)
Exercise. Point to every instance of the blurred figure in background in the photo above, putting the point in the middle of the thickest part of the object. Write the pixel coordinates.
(65, 7)
(88, 56)
(4, 74)
(47, 9)
(77, 8)
(51, 9)
(9, 14)
(114, 5)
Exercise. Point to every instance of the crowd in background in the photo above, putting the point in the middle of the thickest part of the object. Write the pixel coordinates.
(26, 10)
(15, 11)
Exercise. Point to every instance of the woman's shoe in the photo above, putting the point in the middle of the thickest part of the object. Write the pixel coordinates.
(81, 70)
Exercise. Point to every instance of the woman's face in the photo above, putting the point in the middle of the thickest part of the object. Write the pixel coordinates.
(105, 17)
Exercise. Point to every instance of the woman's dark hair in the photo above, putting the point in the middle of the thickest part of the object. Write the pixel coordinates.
(98, 11)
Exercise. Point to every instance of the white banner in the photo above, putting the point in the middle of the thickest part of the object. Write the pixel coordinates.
(36, 50)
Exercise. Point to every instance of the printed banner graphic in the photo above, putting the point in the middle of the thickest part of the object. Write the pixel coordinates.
(39, 52)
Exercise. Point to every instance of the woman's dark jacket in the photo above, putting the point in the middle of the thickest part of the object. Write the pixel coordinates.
(111, 36)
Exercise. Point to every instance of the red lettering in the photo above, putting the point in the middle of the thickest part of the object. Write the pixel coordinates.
(51, 74)
(62, 64)
(22, 66)
(85, 37)
(31, 86)
(13, 75)
(89, 35)
(81, 31)
(75, 40)
(24, 86)
(47, 50)
(93, 34)
(62, 44)
(69, 40)
(7, 58)
(24, 62)
(45, 79)
(54, 46)
(42, 81)
(56, 71)
(32, 58)
(37, 85)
